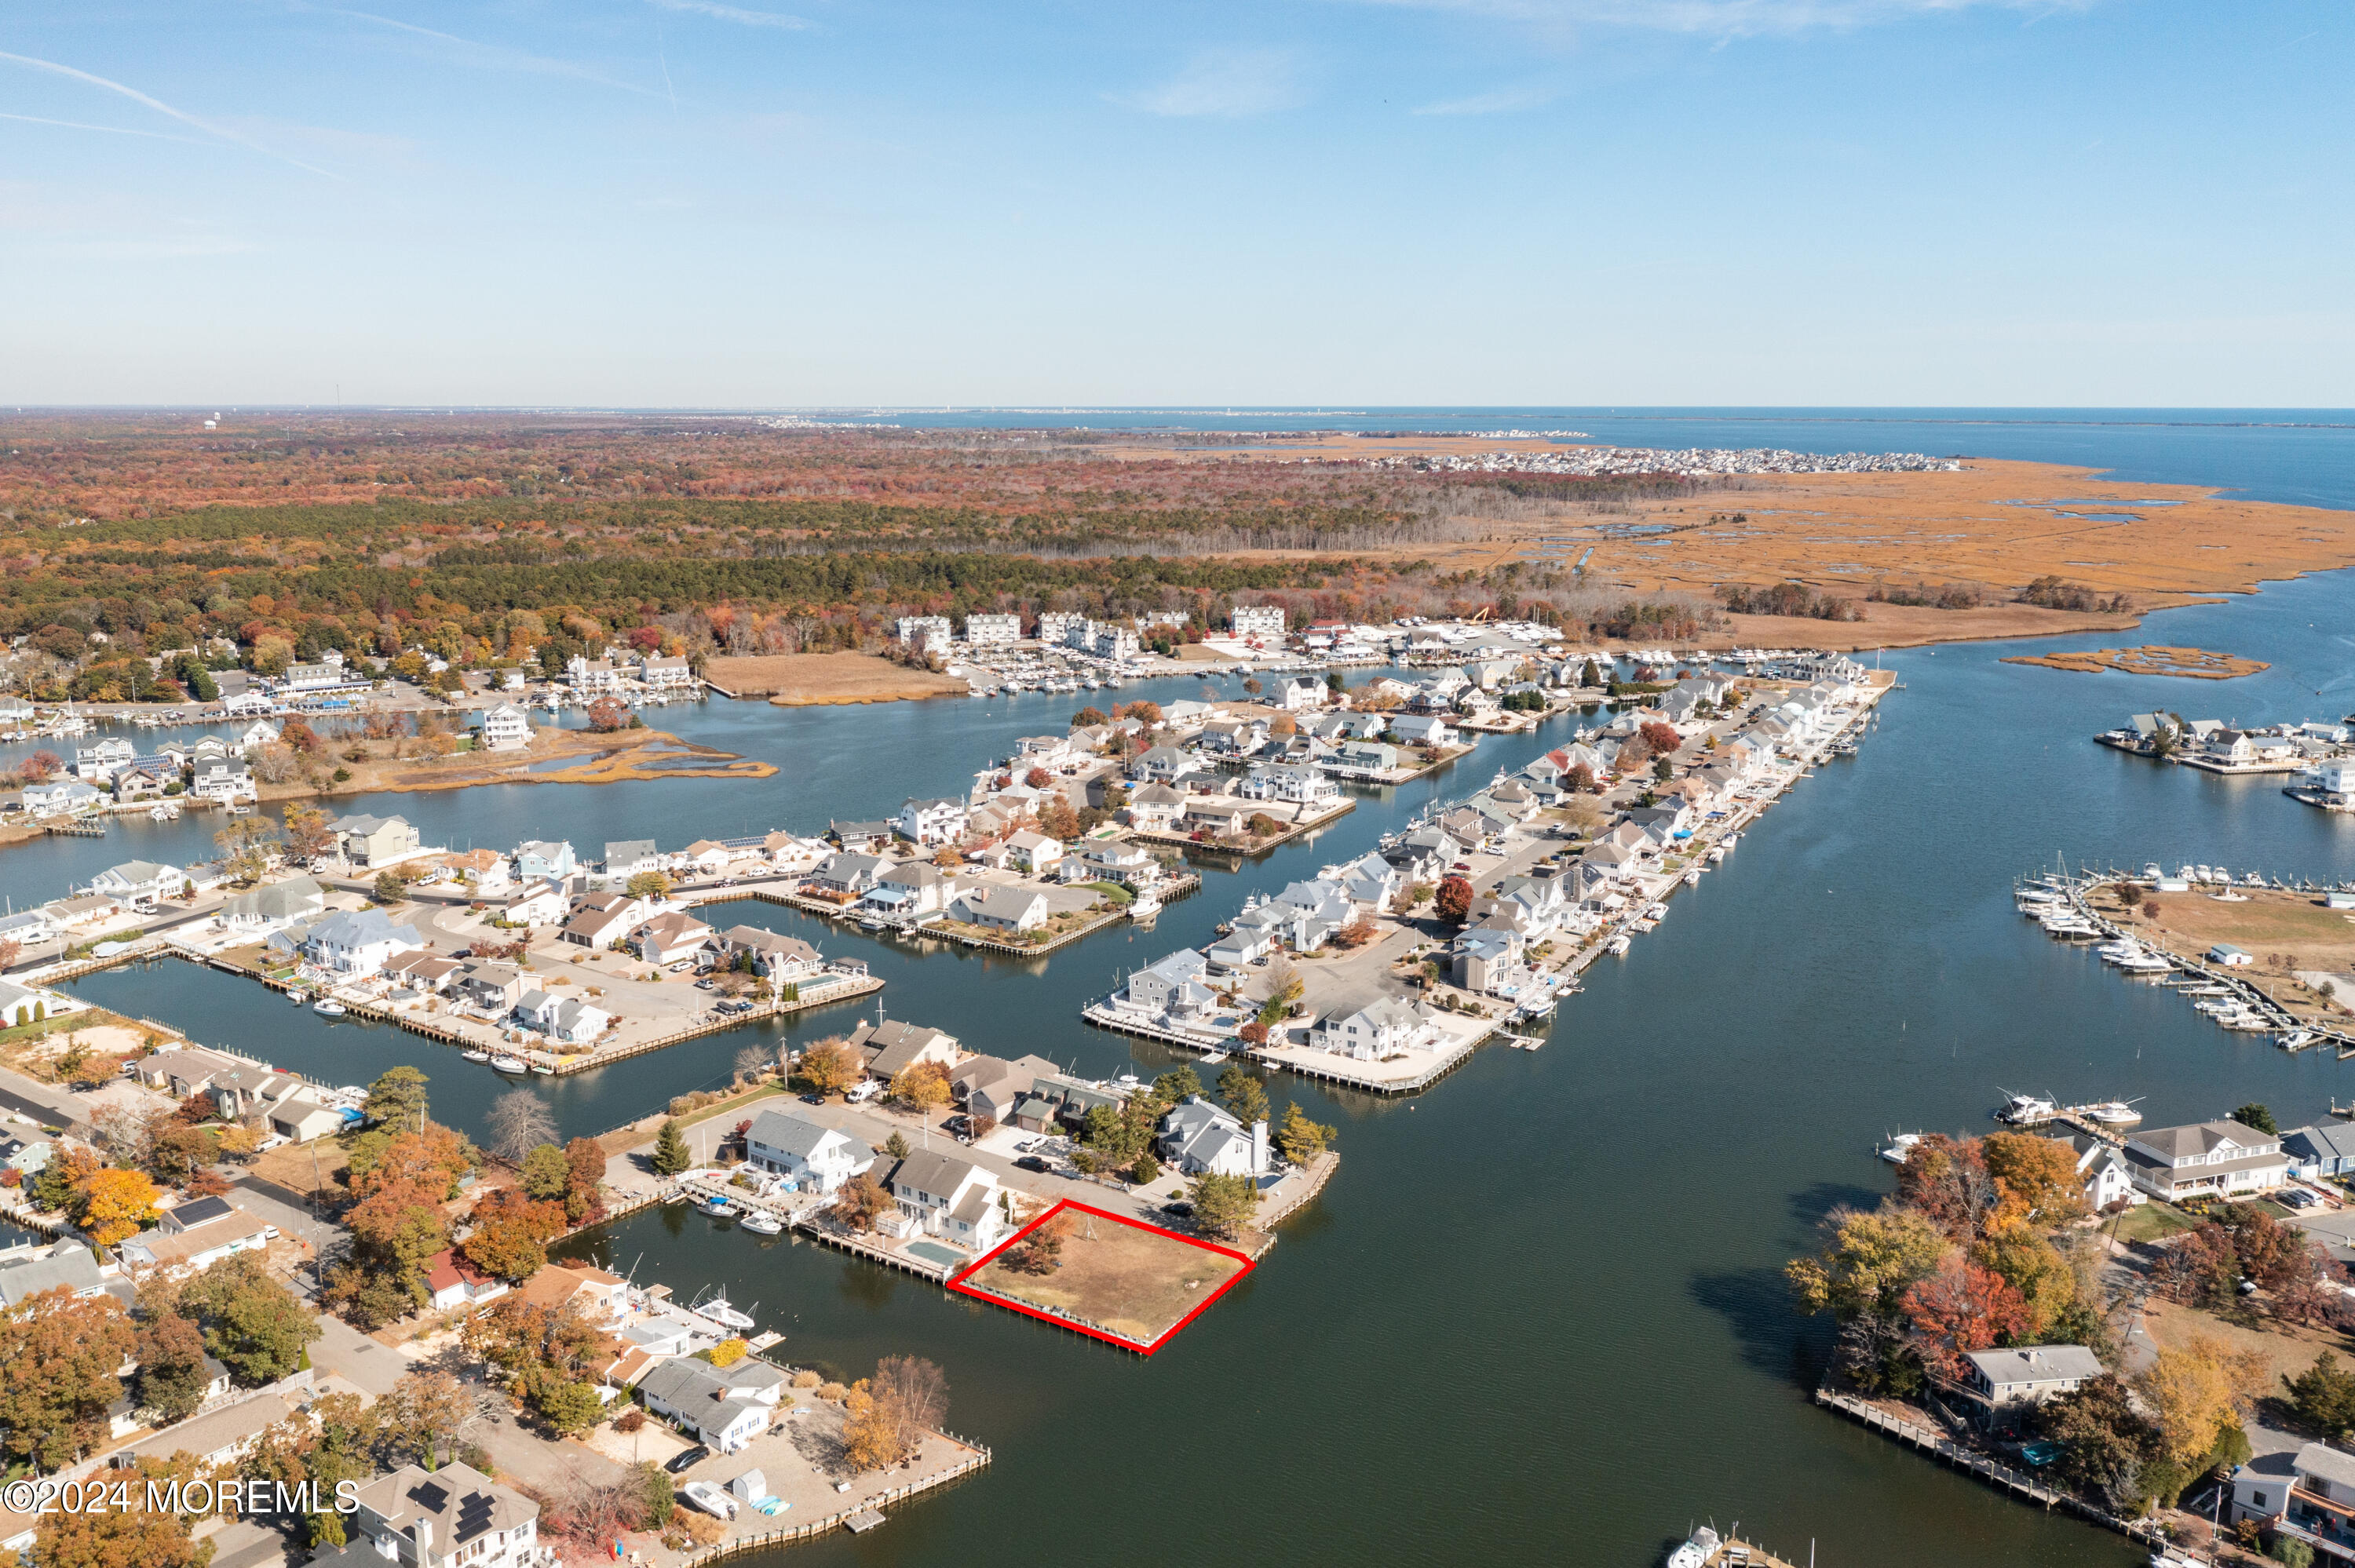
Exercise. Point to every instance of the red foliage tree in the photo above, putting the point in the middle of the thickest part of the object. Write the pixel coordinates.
(1453, 901)
(40, 766)
(1962, 1308)
(1580, 779)
(1038, 778)
(1662, 738)
(1947, 1180)
(646, 639)
(607, 715)
(300, 735)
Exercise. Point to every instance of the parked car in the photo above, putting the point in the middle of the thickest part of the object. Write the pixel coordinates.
(813, 1099)
(1180, 1209)
(689, 1460)
(1032, 1162)
(706, 985)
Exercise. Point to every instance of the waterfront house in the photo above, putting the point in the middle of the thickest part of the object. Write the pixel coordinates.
(724, 1407)
(2108, 1178)
(537, 903)
(626, 858)
(421, 971)
(669, 938)
(2318, 1152)
(1307, 786)
(786, 960)
(98, 762)
(817, 1159)
(892, 1047)
(1174, 989)
(847, 875)
(1155, 808)
(911, 889)
(183, 1070)
(61, 796)
(2307, 1497)
(1298, 694)
(2005, 1385)
(863, 838)
(145, 777)
(358, 945)
(1387, 1027)
(139, 884)
(455, 1282)
(1200, 1138)
(1164, 765)
(1006, 910)
(938, 821)
(666, 674)
(305, 1115)
(248, 1088)
(570, 1019)
(1128, 864)
(1485, 955)
(1422, 729)
(990, 1086)
(592, 677)
(258, 734)
(495, 988)
(453, 1517)
(538, 859)
(944, 1196)
(223, 780)
(371, 842)
(505, 728)
(1221, 816)
(2214, 1159)
(28, 1004)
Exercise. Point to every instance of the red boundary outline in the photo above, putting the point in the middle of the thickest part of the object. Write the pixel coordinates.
(956, 1282)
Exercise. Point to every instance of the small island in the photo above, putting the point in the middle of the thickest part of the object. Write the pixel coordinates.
(2193, 664)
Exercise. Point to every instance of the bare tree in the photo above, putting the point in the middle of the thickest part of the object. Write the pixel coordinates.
(519, 1122)
(915, 1394)
(754, 1061)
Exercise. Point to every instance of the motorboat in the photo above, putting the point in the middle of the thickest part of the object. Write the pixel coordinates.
(1898, 1147)
(327, 1007)
(477, 1056)
(1692, 877)
(710, 1499)
(2111, 1112)
(164, 814)
(762, 1223)
(509, 1064)
(718, 1310)
(2296, 1040)
(1697, 1549)
(2026, 1110)
(1617, 946)
(543, 1070)
(717, 1208)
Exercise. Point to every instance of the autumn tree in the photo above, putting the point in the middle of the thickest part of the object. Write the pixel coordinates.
(860, 1202)
(1452, 903)
(252, 1324)
(886, 1417)
(115, 1204)
(1946, 1179)
(648, 884)
(1957, 1308)
(59, 1358)
(173, 1376)
(922, 1084)
(545, 1173)
(308, 833)
(607, 715)
(1870, 1258)
(397, 1098)
(2036, 1181)
(1662, 738)
(130, 1537)
(2105, 1440)
(1041, 1249)
(2197, 1393)
(584, 1179)
(832, 1063)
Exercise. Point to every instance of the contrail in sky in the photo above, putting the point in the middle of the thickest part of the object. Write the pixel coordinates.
(160, 107)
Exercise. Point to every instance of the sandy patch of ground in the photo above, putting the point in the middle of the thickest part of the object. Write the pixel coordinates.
(1134, 1282)
(2193, 664)
(621, 754)
(794, 679)
(304, 1167)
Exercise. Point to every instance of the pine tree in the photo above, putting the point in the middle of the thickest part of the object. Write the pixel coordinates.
(671, 1155)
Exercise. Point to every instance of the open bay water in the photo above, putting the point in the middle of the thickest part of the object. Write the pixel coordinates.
(1538, 1315)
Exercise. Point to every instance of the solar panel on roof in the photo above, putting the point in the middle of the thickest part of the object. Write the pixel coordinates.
(473, 1515)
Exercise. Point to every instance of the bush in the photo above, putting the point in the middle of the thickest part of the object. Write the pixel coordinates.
(630, 1420)
(832, 1391)
(806, 1379)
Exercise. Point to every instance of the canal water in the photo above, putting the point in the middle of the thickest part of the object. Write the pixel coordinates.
(1538, 1315)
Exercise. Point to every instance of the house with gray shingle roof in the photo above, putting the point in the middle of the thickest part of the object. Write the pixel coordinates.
(818, 1159)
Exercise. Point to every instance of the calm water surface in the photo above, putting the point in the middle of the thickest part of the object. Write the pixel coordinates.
(1538, 1315)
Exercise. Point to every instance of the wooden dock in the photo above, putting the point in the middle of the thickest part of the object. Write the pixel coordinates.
(1738, 1553)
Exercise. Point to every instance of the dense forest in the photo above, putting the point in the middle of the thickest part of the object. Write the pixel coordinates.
(490, 538)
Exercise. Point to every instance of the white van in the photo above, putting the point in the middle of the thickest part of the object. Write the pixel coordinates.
(866, 1090)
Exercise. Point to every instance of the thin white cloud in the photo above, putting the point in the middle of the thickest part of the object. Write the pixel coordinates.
(160, 107)
(112, 129)
(1723, 18)
(493, 57)
(1225, 84)
(1505, 100)
(737, 13)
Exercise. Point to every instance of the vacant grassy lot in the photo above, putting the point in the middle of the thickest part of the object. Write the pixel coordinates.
(2267, 923)
(791, 679)
(1125, 1279)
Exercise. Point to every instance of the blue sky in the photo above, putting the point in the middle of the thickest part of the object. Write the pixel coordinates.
(804, 202)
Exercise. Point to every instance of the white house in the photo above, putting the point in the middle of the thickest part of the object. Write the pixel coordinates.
(1383, 1028)
(947, 1197)
(22, 1004)
(61, 796)
(592, 676)
(441, 1518)
(224, 780)
(933, 821)
(993, 630)
(140, 883)
(570, 1019)
(817, 1159)
(1295, 782)
(726, 1407)
(505, 728)
(2219, 1158)
(1010, 909)
(2007, 1385)
(358, 945)
(1263, 621)
(1199, 1137)
(1035, 852)
(666, 674)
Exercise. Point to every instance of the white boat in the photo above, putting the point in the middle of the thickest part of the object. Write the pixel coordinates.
(2111, 1112)
(762, 1223)
(1898, 1147)
(164, 814)
(1618, 945)
(2026, 1111)
(710, 1498)
(2296, 1040)
(298, 997)
(1697, 1549)
(508, 1064)
(477, 1056)
(327, 1007)
(718, 1310)
(1692, 877)
(1144, 907)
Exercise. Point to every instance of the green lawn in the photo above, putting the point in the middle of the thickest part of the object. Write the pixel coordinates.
(2151, 1222)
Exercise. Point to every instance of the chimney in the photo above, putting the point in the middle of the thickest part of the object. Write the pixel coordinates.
(1259, 1146)
(422, 1532)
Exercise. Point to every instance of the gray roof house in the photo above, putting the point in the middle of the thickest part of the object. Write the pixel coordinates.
(69, 1263)
(726, 1406)
(2005, 1383)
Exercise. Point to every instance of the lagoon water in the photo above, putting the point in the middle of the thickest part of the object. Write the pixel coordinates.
(1537, 1314)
